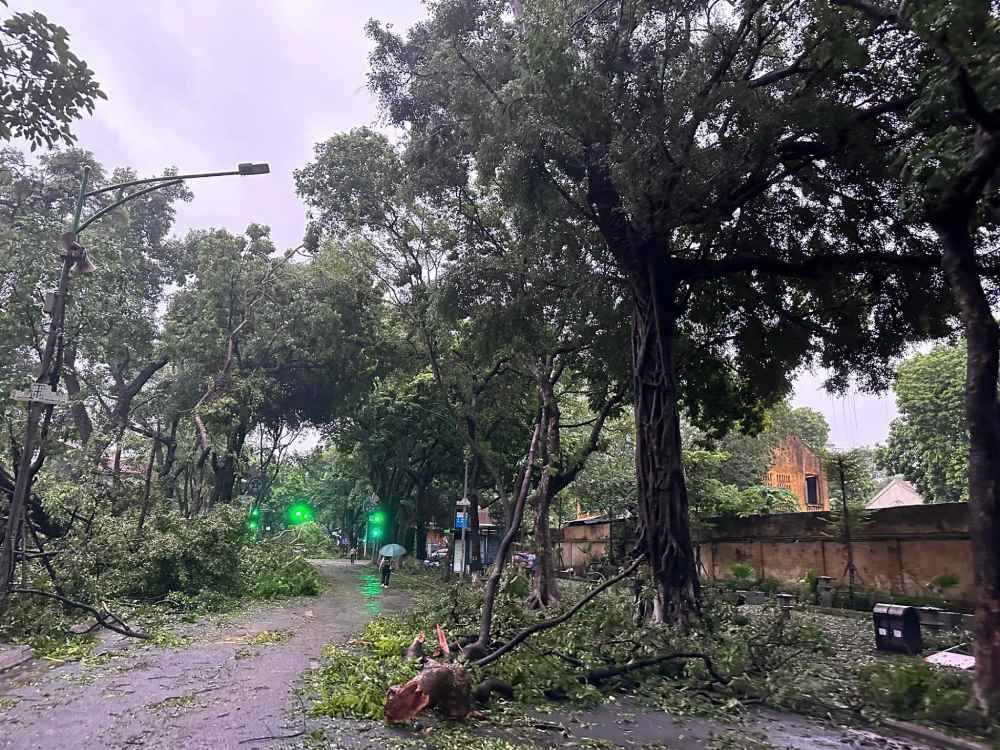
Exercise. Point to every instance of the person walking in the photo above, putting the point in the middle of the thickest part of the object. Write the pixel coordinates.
(386, 568)
(353, 553)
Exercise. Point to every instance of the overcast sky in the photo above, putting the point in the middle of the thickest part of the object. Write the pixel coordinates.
(205, 85)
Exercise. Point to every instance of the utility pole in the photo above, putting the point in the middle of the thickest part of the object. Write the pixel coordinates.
(48, 374)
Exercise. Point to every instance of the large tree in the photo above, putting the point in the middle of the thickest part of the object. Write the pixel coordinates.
(492, 293)
(940, 58)
(929, 440)
(703, 141)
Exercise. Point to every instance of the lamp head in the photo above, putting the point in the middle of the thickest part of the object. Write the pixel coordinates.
(248, 168)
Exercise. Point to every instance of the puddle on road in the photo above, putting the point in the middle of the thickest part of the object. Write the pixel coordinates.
(371, 590)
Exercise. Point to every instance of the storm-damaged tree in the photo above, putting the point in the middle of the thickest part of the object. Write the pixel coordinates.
(110, 350)
(492, 291)
(706, 143)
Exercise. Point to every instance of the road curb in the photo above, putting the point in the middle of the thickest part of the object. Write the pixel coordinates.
(940, 739)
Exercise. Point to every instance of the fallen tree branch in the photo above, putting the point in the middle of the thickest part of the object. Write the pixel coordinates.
(107, 619)
(538, 627)
(597, 676)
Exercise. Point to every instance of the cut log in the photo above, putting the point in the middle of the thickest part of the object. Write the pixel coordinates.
(443, 687)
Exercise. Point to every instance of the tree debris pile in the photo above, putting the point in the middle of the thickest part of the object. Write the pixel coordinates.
(178, 568)
(732, 658)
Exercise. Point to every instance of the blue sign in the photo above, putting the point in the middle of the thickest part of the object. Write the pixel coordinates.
(460, 521)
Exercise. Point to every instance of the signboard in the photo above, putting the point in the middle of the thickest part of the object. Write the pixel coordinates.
(460, 521)
(42, 394)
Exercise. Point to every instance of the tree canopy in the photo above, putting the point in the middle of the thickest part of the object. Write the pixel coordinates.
(929, 440)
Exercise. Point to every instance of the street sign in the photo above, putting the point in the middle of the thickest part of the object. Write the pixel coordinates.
(41, 393)
(255, 485)
(459, 520)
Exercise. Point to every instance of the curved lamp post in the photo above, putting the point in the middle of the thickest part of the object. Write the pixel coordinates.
(43, 395)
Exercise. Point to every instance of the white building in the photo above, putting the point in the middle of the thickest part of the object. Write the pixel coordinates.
(898, 492)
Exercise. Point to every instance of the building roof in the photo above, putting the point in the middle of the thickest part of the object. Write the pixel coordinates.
(898, 492)
(594, 519)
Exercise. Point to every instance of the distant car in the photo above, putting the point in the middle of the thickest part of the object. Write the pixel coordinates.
(439, 554)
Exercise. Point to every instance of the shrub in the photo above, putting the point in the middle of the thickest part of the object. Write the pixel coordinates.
(944, 582)
(742, 572)
(915, 690)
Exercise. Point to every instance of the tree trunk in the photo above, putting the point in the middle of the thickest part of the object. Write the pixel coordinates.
(663, 501)
(482, 644)
(983, 415)
(544, 590)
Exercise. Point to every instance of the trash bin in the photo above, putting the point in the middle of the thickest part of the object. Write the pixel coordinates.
(897, 628)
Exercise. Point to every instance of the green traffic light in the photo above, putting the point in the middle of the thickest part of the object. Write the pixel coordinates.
(377, 518)
(299, 513)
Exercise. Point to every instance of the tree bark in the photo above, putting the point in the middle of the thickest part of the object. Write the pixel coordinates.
(482, 644)
(663, 501)
(544, 590)
(983, 416)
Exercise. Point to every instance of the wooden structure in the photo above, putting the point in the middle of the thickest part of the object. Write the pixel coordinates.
(800, 471)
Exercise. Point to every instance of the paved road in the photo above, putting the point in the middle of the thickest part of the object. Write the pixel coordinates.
(221, 692)
(212, 693)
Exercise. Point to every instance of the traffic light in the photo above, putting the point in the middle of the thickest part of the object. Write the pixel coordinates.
(299, 512)
(376, 524)
(253, 522)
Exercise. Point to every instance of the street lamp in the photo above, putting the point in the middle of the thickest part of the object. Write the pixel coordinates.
(43, 395)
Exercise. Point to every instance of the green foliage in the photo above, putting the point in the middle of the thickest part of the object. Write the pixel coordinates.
(273, 568)
(859, 469)
(174, 554)
(945, 581)
(44, 86)
(742, 572)
(354, 686)
(810, 583)
(929, 441)
(915, 690)
(308, 540)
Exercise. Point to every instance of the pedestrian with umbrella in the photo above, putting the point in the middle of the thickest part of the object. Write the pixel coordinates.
(388, 552)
